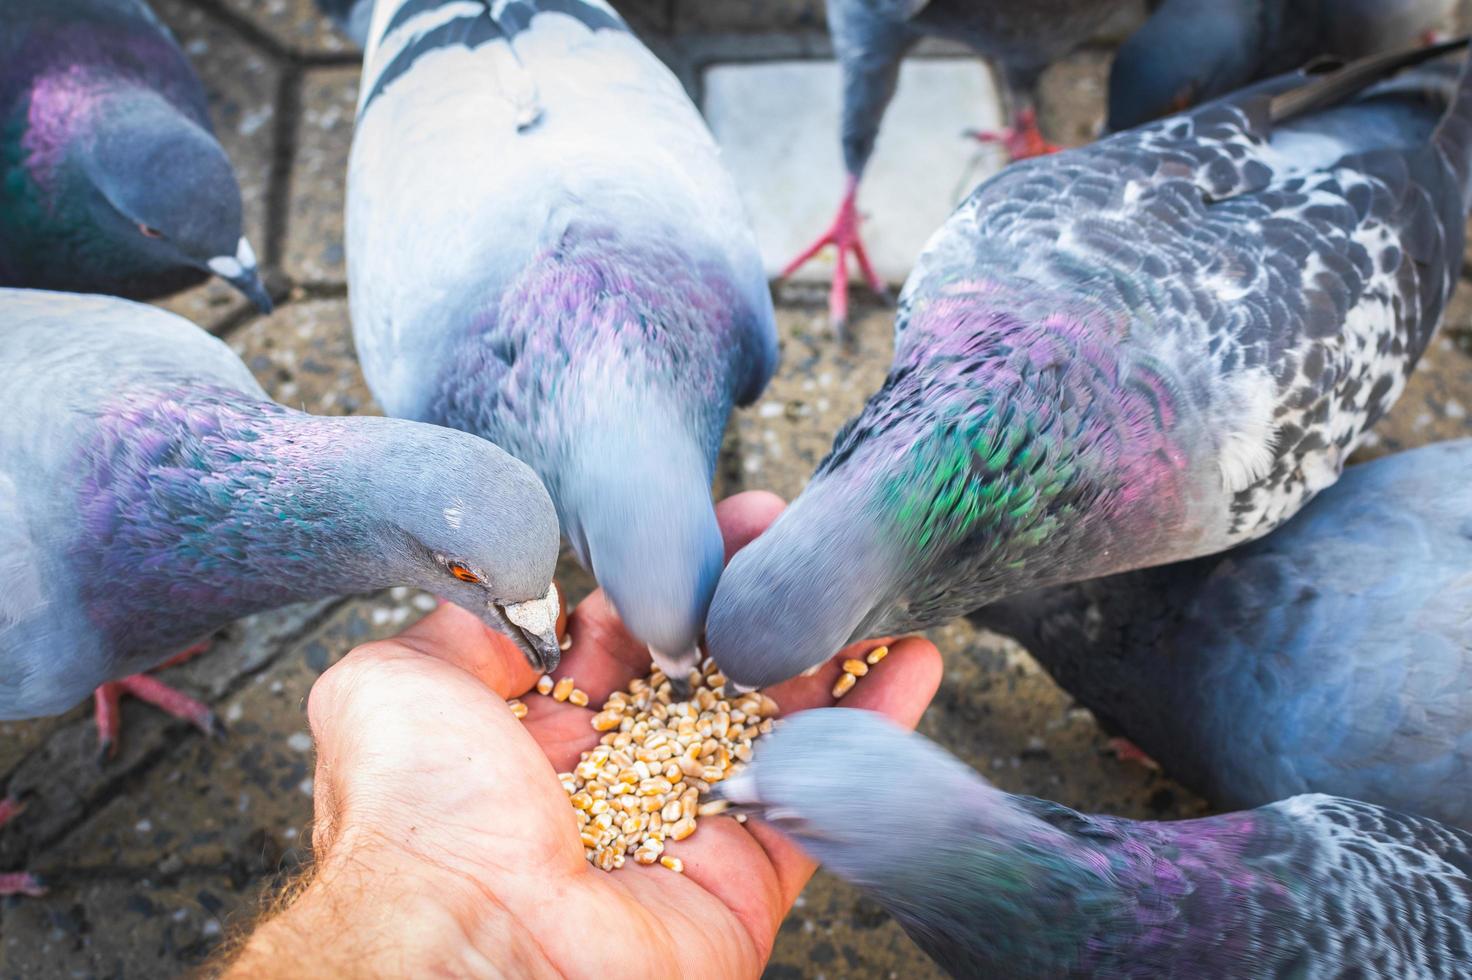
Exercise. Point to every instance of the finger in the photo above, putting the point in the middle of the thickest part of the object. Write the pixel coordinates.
(744, 516)
(458, 637)
(900, 687)
(603, 656)
(816, 689)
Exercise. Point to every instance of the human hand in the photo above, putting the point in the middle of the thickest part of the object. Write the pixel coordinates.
(444, 841)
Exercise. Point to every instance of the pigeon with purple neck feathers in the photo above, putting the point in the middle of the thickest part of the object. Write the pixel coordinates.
(111, 179)
(871, 37)
(1332, 656)
(990, 884)
(545, 250)
(150, 492)
(1192, 51)
(1141, 351)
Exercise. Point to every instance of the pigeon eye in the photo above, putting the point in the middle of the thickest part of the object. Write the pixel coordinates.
(462, 573)
(150, 232)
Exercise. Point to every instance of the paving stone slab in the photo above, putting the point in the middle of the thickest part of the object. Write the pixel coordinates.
(314, 223)
(303, 356)
(242, 83)
(295, 26)
(778, 123)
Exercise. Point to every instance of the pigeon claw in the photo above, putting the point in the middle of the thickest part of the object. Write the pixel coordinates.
(843, 235)
(1021, 140)
(22, 883)
(107, 697)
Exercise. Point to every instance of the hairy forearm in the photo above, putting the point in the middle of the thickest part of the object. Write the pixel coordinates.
(367, 917)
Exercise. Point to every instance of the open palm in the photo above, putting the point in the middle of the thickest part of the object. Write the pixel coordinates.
(423, 768)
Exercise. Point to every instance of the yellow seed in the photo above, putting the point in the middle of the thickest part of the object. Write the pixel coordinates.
(562, 689)
(581, 800)
(578, 698)
(517, 708)
(856, 667)
(682, 829)
(565, 644)
(712, 808)
(606, 721)
(673, 863)
(877, 654)
(544, 684)
(845, 684)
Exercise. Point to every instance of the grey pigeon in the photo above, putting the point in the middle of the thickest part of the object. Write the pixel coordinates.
(995, 885)
(544, 250)
(111, 179)
(1332, 656)
(870, 37)
(1145, 350)
(1192, 51)
(150, 492)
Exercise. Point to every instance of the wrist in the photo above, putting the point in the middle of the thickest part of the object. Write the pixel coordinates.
(373, 911)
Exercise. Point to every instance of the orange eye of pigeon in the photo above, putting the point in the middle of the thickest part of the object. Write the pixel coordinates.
(462, 573)
(150, 232)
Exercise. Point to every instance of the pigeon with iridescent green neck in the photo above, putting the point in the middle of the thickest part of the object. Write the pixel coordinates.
(111, 179)
(1137, 352)
(990, 884)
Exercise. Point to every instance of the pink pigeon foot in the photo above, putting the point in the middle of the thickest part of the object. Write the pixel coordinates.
(1126, 751)
(17, 882)
(843, 235)
(107, 697)
(1022, 140)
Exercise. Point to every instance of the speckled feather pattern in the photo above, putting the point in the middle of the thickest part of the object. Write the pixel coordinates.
(1140, 351)
(1237, 328)
(992, 884)
(1334, 655)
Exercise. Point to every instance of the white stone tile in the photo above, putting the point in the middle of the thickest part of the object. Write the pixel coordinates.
(778, 124)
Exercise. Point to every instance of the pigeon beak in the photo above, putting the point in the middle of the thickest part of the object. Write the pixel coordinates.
(740, 795)
(239, 270)
(677, 669)
(532, 626)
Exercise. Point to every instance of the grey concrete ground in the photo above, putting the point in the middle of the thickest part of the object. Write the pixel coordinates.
(157, 855)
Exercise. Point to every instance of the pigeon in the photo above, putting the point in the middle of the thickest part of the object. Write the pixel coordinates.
(1192, 51)
(150, 493)
(871, 36)
(545, 250)
(1141, 351)
(111, 180)
(990, 884)
(1332, 656)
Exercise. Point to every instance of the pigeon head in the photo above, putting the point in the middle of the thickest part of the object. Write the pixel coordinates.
(165, 190)
(468, 522)
(846, 785)
(639, 514)
(1189, 52)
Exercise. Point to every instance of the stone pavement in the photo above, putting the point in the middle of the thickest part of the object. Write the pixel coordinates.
(155, 856)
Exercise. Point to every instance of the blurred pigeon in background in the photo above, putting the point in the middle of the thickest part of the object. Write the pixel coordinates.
(870, 37)
(995, 885)
(1191, 51)
(111, 179)
(1332, 656)
(544, 249)
(150, 493)
(1141, 351)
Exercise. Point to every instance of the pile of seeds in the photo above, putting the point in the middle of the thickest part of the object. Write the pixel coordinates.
(640, 787)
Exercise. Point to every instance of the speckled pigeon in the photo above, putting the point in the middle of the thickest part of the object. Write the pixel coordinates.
(870, 37)
(1141, 351)
(544, 249)
(1192, 51)
(111, 180)
(150, 493)
(995, 885)
(1332, 656)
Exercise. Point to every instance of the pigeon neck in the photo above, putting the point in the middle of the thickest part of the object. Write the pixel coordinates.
(215, 505)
